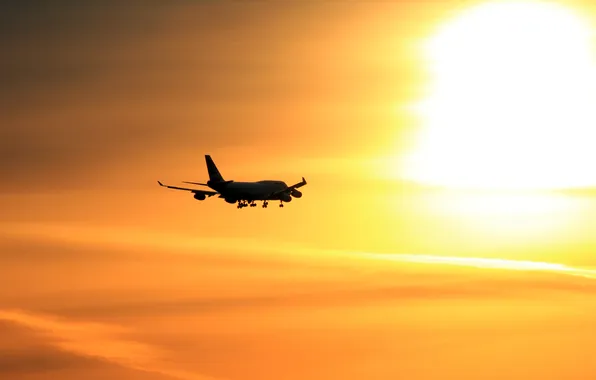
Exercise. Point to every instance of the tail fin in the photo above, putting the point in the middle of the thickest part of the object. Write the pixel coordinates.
(214, 175)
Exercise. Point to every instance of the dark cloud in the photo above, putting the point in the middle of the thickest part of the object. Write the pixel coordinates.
(42, 359)
(47, 362)
(54, 348)
(25, 353)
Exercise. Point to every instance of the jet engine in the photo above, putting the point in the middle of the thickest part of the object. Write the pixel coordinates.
(200, 196)
(230, 200)
(285, 197)
(296, 194)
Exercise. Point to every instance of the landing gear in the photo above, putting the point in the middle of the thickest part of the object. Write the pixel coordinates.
(243, 203)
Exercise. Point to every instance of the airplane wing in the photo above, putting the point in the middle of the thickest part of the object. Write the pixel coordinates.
(196, 191)
(299, 184)
(289, 188)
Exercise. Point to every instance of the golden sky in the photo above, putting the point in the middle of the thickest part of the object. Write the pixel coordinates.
(446, 231)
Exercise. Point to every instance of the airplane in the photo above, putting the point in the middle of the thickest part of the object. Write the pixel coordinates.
(243, 193)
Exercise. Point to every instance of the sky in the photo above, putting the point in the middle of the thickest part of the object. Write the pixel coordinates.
(446, 229)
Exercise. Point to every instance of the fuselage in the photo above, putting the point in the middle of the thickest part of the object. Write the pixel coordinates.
(251, 191)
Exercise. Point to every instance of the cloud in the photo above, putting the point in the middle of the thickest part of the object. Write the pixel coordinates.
(339, 295)
(176, 274)
(26, 353)
(43, 359)
(486, 263)
(95, 340)
(252, 315)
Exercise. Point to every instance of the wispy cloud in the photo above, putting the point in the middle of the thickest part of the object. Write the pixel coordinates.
(144, 239)
(485, 263)
(103, 341)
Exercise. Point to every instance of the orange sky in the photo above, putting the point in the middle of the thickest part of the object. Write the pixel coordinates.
(107, 275)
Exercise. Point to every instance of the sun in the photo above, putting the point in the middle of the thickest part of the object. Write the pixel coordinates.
(511, 102)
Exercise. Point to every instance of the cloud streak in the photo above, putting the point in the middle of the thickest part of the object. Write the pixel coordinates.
(138, 238)
(485, 263)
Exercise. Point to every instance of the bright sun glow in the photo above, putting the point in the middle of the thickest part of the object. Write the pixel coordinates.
(511, 102)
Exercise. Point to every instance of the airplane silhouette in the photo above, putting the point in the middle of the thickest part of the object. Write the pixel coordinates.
(243, 193)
